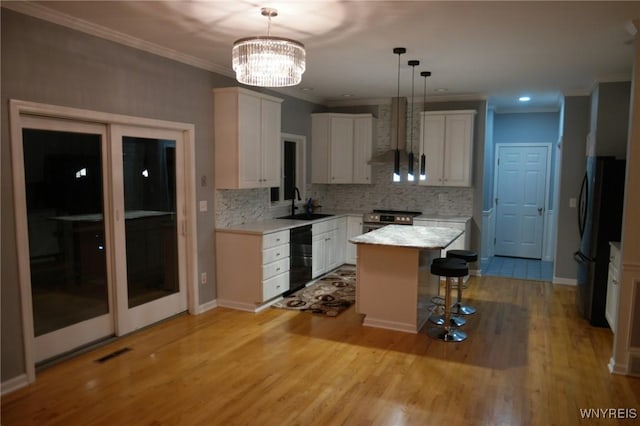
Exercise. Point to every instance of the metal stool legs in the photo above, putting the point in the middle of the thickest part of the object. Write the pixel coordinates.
(459, 308)
(447, 332)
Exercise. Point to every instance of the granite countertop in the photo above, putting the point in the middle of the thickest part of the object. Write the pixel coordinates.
(274, 225)
(421, 237)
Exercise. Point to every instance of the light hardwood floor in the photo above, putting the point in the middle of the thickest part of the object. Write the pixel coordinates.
(529, 360)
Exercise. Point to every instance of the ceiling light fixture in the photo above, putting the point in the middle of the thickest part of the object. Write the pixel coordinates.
(268, 61)
(396, 156)
(410, 176)
(524, 98)
(423, 158)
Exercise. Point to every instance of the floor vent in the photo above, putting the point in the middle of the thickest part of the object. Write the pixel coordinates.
(112, 355)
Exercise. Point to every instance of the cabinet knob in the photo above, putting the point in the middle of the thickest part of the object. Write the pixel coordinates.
(277, 269)
(277, 254)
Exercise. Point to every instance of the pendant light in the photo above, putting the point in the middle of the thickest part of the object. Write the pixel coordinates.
(396, 157)
(410, 176)
(268, 61)
(423, 158)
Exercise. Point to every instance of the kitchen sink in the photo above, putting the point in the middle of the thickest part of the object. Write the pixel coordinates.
(305, 216)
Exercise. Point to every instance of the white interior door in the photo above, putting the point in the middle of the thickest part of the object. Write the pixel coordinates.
(149, 225)
(520, 200)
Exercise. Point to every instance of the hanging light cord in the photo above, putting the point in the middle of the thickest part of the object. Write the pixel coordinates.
(398, 109)
(413, 71)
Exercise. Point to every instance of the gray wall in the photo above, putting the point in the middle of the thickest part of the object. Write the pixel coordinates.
(609, 118)
(572, 168)
(47, 63)
(531, 127)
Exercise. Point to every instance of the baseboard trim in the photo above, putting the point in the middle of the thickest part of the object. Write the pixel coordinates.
(389, 325)
(247, 307)
(14, 384)
(207, 307)
(614, 368)
(565, 281)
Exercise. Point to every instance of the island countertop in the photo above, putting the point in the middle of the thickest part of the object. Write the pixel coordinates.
(420, 237)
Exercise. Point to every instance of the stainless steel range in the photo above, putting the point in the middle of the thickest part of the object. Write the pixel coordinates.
(379, 218)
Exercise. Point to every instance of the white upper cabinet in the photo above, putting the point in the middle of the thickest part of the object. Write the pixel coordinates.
(363, 138)
(341, 147)
(247, 139)
(446, 139)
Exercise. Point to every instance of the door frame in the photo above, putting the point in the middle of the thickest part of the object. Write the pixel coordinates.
(18, 108)
(548, 214)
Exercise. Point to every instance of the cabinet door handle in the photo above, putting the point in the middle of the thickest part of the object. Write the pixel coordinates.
(277, 254)
(277, 269)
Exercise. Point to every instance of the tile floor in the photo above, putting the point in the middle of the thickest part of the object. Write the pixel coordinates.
(515, 267)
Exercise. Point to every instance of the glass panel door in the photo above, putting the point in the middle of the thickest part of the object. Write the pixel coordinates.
(63, 178)
(150, 198)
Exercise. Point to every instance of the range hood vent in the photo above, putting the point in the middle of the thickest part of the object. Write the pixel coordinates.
(398, 134)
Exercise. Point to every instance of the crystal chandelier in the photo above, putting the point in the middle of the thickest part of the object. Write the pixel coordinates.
(268, 61)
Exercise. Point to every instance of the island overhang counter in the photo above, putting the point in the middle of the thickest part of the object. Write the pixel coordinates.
(393, 280)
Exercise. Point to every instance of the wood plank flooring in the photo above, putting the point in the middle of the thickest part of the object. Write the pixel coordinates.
(529, 360)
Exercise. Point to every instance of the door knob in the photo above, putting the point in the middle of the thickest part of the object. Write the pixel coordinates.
(540, 211)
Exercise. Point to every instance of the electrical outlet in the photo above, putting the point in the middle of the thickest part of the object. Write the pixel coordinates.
(203, 278)
(203, 206)
(572, 203)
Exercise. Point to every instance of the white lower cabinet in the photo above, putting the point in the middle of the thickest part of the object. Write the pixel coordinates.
(327, 245)
(251, 268)
(613, 286)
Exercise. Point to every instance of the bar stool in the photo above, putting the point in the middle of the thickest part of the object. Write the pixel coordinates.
(449, 268)
(468, 256)
(439, 301)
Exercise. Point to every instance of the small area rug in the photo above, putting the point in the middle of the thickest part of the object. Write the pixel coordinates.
(328, 296)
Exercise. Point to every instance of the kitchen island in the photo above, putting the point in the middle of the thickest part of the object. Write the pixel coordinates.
(393, 280)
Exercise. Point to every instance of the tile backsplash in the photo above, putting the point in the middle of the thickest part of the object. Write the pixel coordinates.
(250, 205)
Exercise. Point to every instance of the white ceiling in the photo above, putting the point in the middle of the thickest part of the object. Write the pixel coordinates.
(490, 50)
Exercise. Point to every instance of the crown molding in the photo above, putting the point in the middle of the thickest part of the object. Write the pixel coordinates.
(42, 12)
(50, 15)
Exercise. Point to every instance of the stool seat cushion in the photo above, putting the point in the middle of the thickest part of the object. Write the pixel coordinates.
(449, 267)
(468, 255)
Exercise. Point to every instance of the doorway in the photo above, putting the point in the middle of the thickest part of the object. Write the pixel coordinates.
(521, 191)
(101, 212)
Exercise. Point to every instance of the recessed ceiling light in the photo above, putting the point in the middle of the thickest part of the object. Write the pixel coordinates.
(524, 98)
(441, 90)
(306, 89)
(347, 95)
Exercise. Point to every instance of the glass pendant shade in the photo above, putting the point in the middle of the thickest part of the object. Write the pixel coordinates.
(268, 61)
(423, 167)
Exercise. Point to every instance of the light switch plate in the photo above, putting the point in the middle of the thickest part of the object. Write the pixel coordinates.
(572, 203)
(203, 206)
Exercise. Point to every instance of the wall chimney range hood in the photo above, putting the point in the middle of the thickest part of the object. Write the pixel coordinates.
(398, 134)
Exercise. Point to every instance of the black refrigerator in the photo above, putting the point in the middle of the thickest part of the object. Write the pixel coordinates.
(599, 221)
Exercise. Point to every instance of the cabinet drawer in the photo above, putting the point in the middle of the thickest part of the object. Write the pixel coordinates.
(274, 268)
(275, 286)
(275, 253)
(275, 239)
(325, 226)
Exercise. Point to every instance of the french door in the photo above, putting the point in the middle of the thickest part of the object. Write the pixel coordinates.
(106, 229)
(147, 170)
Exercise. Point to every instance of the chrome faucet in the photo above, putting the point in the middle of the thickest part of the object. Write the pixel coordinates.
(293, 200)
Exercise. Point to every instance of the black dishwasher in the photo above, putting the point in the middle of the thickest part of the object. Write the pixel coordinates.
(300, 258)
